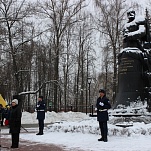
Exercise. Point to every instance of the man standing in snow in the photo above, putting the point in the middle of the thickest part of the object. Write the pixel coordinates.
(102, 107)
(40, 114)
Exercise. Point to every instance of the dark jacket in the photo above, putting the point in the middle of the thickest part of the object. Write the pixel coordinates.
(15, 119)
(41, 106)
(6, 113)
(1, 113)
(102, 113)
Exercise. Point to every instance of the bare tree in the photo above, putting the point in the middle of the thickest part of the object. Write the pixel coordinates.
(16, 47)
(61, 14)
(110, 25)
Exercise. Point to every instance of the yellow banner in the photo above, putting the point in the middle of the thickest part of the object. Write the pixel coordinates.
(2, 101)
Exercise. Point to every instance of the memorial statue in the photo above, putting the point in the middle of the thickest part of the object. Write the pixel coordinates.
(134, 80)
(134, 31)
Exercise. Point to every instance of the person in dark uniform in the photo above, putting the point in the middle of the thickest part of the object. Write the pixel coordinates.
(40, 114)
(15, 123)
(102, 107)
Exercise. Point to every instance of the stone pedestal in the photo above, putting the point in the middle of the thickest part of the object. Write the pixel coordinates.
(130, 77)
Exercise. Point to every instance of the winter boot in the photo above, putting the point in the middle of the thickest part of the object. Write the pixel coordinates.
(101, 139)
(40, 132)
(37, 133)
(105, 139)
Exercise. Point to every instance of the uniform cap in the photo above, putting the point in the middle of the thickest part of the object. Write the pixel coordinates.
(102, 91)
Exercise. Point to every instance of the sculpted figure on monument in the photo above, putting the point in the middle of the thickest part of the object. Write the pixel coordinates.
(134, 31)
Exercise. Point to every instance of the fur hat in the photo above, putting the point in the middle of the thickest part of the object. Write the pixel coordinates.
(15, 101)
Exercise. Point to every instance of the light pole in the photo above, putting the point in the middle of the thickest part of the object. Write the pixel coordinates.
(64, 61)
(89, 82)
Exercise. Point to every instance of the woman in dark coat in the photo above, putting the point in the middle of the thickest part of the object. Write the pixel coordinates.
(102, 107)
(15, 123)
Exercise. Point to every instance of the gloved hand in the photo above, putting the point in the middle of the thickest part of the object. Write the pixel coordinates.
(101, 103)
(95, 109)
(38, 105)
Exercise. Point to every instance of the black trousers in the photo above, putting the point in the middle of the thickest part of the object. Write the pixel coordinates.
(103, 129)
(15, 139)
(2, 121)
(41, 125)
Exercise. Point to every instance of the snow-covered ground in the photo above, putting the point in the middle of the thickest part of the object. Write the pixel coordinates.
(78, 130)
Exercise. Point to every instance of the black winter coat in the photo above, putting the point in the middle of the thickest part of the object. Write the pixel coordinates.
(102, 113)
(15, 119)
(41, 110)
(1, 113)
(5, 113)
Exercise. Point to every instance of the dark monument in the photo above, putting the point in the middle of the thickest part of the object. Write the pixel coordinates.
(134, 76)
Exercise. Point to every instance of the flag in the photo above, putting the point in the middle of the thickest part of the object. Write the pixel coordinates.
(2, 101)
